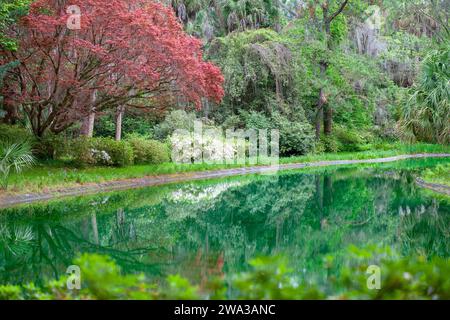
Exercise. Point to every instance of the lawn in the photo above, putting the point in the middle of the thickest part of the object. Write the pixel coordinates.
(54, 175)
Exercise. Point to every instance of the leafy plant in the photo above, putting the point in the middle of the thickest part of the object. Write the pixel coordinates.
(100, 151)
(147, 150)
(410, 277)
(426, 115)
(14, 156)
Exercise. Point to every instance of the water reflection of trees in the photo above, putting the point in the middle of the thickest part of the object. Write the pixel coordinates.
(198, 234)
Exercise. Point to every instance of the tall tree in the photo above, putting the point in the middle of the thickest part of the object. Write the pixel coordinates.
(10, 12)
(122, 46)
(327, 18)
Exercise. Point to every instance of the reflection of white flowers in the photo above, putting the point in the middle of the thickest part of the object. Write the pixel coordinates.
(194, 194)
(187, 148)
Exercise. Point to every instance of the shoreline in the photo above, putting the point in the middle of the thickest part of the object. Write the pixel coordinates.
(147, 181)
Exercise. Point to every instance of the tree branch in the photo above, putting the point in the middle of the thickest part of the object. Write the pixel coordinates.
(341, 8)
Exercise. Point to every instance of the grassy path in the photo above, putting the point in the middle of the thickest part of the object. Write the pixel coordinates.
(7, 200)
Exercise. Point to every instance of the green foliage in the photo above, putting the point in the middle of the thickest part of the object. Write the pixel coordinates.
(120, 152)
(10, 11)
(148, 151)
(179, 288)
(328, 144)
(206, 19)
(296, 136)
(426, 115)
(253, 119)
(409, 277)
(14, 156)
(105, 126)
(402, 278)
(250, 14)
(50, 146)
(271, 279)
(3, 70)
(259, 83)
(10, 292)
(254, 63)
(349, 140)
(100, 151)
(80, 151)
(103, 279)
(339, 29)
(439, 174)
(177, 119)
(16, 133)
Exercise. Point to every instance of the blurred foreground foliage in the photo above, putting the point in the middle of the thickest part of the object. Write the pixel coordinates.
(411, 277)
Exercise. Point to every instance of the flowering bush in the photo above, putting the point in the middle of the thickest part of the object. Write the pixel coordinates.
(100, 151)
(188, 148)
(101, 157)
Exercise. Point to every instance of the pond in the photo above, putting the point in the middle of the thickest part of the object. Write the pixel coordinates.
(214, 227)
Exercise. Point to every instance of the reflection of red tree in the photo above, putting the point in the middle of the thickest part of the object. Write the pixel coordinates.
(209, 266)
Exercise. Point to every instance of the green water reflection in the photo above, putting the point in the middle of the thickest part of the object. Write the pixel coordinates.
(210, 228)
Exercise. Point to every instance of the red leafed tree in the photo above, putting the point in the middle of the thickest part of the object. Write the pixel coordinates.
(126, 52)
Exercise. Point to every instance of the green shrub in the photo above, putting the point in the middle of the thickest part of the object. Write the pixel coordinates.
(120, 152)
(296, 137)
(51, 146)
(100, 151)
(256, 120)
(9, 133)
(402, 277)
(178, 119)
(232, 122)
(10, 292)
(80, 151)
(103, 279)
(329, 144)
(349, 140)
(148, 151)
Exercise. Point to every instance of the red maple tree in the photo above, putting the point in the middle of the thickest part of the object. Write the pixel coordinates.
(126, 52)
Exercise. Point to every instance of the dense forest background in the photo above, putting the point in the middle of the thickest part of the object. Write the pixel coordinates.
(331, 75)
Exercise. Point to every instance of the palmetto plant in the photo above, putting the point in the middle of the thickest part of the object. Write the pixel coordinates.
(426, 115)
(14, 156)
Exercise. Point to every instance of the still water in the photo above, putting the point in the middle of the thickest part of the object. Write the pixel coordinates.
(208, 228)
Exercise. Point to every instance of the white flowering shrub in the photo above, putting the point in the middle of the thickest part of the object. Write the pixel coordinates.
(101, 157)
(209, 147)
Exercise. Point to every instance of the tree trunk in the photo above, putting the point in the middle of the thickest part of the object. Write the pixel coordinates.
(319, 195)
(322, 101)
(87, 128)
(319, 116)
(95, 228)
(119, 117)
(328, 120)
(327, 193)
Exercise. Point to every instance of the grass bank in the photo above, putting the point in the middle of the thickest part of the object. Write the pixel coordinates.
(53, 176)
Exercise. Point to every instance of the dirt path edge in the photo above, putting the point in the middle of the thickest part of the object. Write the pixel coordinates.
(12, 200)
